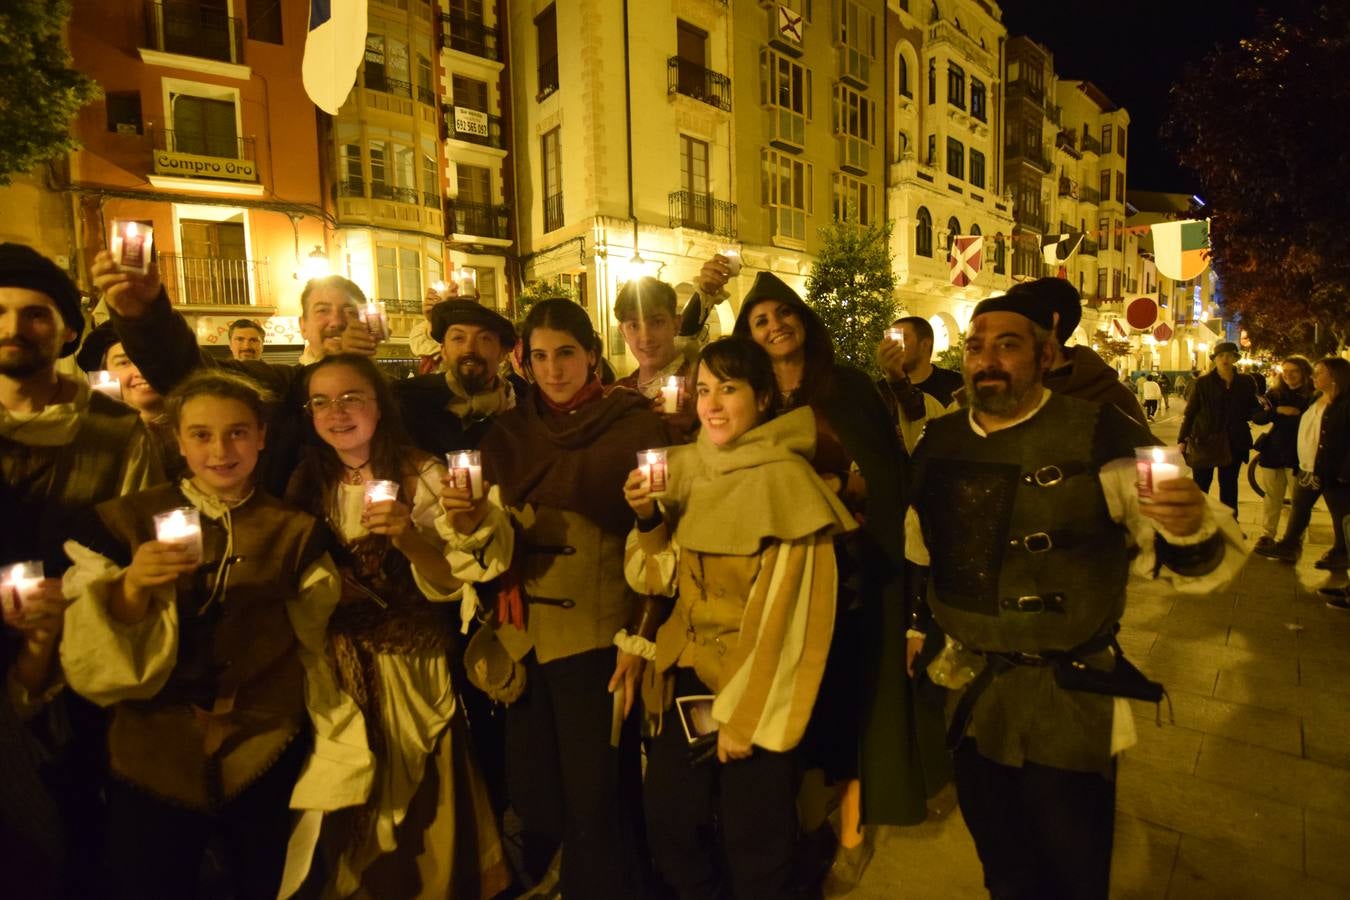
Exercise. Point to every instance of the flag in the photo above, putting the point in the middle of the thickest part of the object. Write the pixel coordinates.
(1056, 248)
(1181, 249)
(333, 51)
(964, 258)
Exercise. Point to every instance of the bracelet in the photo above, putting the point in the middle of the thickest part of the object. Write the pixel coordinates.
(634, 645)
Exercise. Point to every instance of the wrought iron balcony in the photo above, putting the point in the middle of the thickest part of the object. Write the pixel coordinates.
(1032, 155)
(701, 83)
(480, 220)
(1089, 195)
(199, 143)
(548, 78)
(473, 126)
(1032, 218)
(381, 191)
(553, 212)
(1067, 188)
(351, 187)
(214, 281)
(1020, 87)
(1091, 144)
(469, 36)
(431, 199)
(703, 213)
(377, 80)
(426, 95)
(1088, 248)
(191, 29)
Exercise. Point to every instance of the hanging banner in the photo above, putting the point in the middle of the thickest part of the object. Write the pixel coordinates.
(1163, 333)
(333, 50)
(1181, 249)
(1141, 313)
(964, 258)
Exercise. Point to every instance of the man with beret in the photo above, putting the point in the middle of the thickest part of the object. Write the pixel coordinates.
(1026, 523)
(63, 448)
(1074, 371)
(1216, 430)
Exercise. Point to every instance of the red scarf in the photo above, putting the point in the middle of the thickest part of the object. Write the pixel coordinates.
(591, 390)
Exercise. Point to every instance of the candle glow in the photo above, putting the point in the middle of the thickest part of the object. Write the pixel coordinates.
(466, 472)
(653, 466)
(1153, 466)
(670, 394)
(379, 491)
(180, 526)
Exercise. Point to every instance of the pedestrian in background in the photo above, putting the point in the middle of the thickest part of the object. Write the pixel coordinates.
(1152, 394)
(1277, 460)
(1215, 434)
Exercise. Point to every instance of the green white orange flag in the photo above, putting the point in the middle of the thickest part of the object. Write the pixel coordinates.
(1181, 249)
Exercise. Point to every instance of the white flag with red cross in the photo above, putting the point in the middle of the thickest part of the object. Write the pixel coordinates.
(964, 258)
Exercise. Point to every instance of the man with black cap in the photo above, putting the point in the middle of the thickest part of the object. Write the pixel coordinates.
(63, 448)
(1075, 371)
(1215, 428)
(1026, 523)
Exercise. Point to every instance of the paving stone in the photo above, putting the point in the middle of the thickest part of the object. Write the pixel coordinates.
(1326, 735)
(1325, 675)
(934, 860)
(1280, 731)
(1328, 839)
(1179, 674)
(1253, 690)
(1142, 859)
(1165, 746)
(1211, 870)
(1272, 774)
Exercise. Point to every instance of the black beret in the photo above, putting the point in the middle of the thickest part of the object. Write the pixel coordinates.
(1032, 308)
(1058, 296)
(456, 311)
(95, 347)
(23, 267)
(1225, 347)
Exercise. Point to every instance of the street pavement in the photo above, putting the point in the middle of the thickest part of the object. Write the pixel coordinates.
(1245, 790)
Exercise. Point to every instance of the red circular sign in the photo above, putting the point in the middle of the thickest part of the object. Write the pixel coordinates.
(1163, 333)
(1141, 313)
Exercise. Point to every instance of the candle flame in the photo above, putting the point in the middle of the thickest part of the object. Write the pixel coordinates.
(651, 457)
(1159, 455)
(132, 230)
(673, 381)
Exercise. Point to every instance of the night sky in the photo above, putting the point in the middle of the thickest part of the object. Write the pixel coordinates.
(1134, 51)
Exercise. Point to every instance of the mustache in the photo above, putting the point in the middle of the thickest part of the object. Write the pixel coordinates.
(17, 342)
(471, 358)
(991, 375)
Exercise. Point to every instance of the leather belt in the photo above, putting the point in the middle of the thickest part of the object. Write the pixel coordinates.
(1053, 474)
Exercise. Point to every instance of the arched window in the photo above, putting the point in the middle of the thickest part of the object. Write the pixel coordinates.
(935, 16)
(953, 229)
(999, 249)
(902, 75)
(975, 231)
(923, 233)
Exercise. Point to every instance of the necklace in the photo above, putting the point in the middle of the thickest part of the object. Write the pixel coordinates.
(353, 474)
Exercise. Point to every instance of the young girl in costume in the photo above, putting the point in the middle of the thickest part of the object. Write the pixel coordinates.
(210, 658)
(427, 829)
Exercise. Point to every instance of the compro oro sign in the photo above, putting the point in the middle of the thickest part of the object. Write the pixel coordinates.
(187, 165)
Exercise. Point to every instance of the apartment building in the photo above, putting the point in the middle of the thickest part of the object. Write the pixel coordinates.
(945, 153)
(197, 133)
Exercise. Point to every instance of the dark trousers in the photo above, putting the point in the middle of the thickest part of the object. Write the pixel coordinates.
(1300, 512)
(155, 849)
(720, 830)
(1041, 833)
(1150, 408)
(568, 785)
(1228, 483)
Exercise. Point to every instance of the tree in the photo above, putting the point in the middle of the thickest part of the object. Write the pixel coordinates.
(1111, 348)
(851, 288)
(39, 92)
(543, 289)
(1263, 125)
(954, 357)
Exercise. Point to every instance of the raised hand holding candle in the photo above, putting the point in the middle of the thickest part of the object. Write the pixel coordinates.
(653, 466)
(733, 257)
(1153, 466)
(131, 245)
(373, 316)
(380, 491)
(468, 282)
(17, 583)
(670, 394)
(181, 526)
(897, 336)
(466, 471)
(105, 383)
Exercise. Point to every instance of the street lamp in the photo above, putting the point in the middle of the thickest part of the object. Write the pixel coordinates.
(315, 265)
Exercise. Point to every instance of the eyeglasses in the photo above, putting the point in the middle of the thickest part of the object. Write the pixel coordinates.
(321, 405)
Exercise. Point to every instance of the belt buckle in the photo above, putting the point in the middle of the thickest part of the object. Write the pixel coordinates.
(1048, 476)
(1031, 604)
(1039, 542)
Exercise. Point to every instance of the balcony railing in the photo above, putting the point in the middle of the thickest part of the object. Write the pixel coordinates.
(1067, 188)
(473, 126)
(431, 200)
(1052, 112)
(548, 78)
(352, 187)
(469, 36)
(1020, 87)
(197, 143)
(553, 212)
(702, 212)
(191, 29)
(699, 82)
(377, 80)
(1090, 195)
(380, 191)
(1032, 155)
(426, 95)
(213, 281)
(480, 220)
(1032, 218)
(1088, 248)
(1091, 144)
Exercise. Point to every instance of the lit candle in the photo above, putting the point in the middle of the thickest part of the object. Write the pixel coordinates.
(106, 383)
(670, 394)
(380, 491)
(466, 472)
(1153, 466)
(441, 288)
(896, 335)
(653, 466)
(733, 257)
(21, 578)
(373, 316)
(131, 245)
(181, 526)
(468, 282)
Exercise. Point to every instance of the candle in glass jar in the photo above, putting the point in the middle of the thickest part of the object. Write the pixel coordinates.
(670, 394)
(468, 282)
(373, 316)
(21, 578)
(733, 257)
(897, 336)
(106, 383)
(181, 526)
(441, 288)
(466, 472)
(131, 245)
(379, 491)
(1153, 466)
(653, 466)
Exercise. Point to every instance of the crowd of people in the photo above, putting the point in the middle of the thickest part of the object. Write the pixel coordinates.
(625, 615)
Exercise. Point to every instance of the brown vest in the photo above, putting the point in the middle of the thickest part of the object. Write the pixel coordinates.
(236, 698)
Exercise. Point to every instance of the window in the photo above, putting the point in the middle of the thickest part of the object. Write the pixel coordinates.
(956, 86)
(953, 230)
(785, 88)
(546, 36)
(379, 175)
(425, 91)
(1120, 139)
(1120, 187)
(932, 81)
(786, 192)
(956, 158)
(977, 100)
(1119, 242)
(387, 68)
(1000, 254)
(398, 273)
(473, 206)
(469, 93)
(1106, 138)
(213, 262)
(1106, 185)
(203, 127)
(902, 76)
(698, 207)
(931, 159)
(923, 233)
(691, 53)
(1115, 284)
(1101, 282)
(551, 156)
(852, 200)
(857, 38)
(353, 182)
(854, 120)
(431, 181)
(1104, 231)
(264, 20)
(124, 112)
(977, 168)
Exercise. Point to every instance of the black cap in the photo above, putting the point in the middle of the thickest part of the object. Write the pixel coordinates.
(1225, 347)
(23, 267)
(1029, 307)
(1058, 296)
(456, 311)
(95, 347)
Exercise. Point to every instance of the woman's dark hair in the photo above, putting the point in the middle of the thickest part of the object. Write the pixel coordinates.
(391, 456)
(1304, 366)
(742, 359)
(1339, 370)
(818, 348)
(559, 314)
(217, 383)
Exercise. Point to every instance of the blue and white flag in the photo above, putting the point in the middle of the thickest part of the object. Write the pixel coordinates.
(333, 51)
